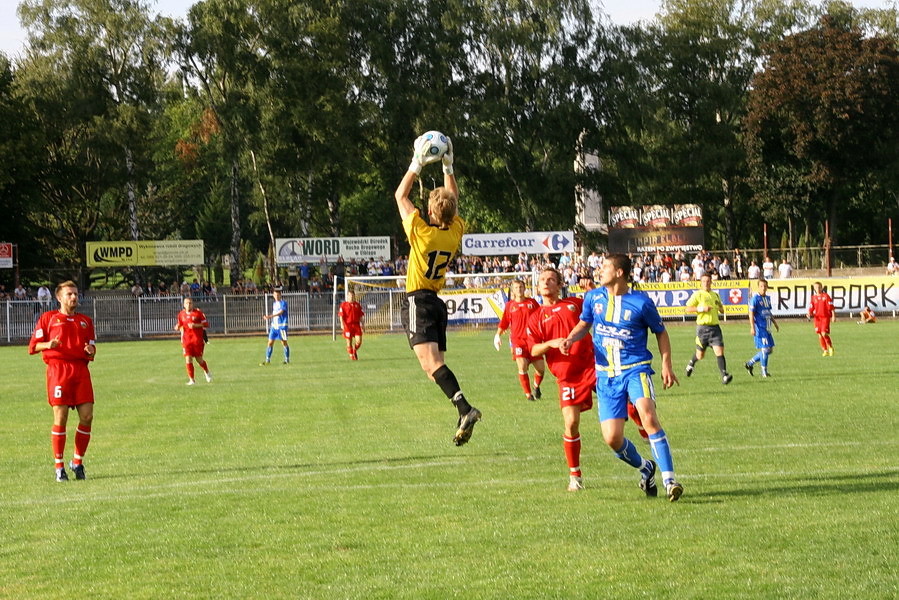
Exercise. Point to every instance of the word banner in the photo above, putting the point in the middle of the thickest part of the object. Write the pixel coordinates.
(314, 250)
(530, 242)
(145, 253)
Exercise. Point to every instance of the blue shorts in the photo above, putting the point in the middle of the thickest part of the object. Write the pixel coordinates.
(277, 334)
(766, 340)
(614, 393)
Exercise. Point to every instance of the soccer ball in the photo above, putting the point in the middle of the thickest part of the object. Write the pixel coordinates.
(435, 144)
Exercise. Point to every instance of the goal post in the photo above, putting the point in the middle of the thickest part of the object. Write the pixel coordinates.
(473, 300)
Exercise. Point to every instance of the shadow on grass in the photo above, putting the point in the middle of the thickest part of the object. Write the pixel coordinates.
(827, 485)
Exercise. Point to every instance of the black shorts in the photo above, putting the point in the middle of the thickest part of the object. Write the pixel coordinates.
(424, 318)
(708, 335)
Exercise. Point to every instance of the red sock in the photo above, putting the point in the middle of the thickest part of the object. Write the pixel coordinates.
(203, 366)
(538, 379)
(82, 439)
(58, 443)
(525, 383)
(634, 416)
(190, 370)
(573, 454)
(823, 340)
(829, 343)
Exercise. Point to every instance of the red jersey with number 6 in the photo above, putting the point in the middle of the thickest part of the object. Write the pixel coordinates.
(72, 331)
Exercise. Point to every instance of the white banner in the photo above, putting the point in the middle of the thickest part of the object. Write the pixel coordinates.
(850, 294)
(312, 250)
(531, 242)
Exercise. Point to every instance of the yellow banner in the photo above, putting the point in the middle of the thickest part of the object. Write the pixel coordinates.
(145, 253)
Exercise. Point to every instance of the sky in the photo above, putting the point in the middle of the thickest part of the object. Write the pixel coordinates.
(622, 12)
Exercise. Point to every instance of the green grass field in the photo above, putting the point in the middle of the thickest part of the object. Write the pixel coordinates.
(337, 479)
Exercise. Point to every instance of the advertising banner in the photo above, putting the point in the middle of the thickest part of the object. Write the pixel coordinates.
(666, 239)
(655, 216)
(531, 242)
(313, 250)
(145, 253)
(6, 256)
(671, 298)
(850, 294)
(686, 215)
(624, 217)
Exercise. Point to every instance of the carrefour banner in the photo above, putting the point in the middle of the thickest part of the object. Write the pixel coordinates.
(531, 242)
(312, 250)
(145, 253)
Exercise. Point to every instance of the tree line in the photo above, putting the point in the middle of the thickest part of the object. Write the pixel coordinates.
(255, 119)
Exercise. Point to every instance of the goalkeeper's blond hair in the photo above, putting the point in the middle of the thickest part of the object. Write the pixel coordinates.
(443, 206)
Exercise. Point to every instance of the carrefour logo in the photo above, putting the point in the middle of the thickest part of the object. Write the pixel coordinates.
(486, 244)
(557, 242)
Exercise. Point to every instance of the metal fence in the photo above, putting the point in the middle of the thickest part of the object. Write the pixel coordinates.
(122, 316)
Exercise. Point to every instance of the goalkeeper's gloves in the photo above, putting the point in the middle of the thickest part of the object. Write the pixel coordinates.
(420, 155)
(497, 341)
(448, 157)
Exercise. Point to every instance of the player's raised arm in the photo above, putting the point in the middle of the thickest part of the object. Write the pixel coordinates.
(449, 178)
(419, 160)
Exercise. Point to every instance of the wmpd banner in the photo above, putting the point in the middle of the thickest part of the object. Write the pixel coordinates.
(313, 250)
(145, 253)
(531, 242)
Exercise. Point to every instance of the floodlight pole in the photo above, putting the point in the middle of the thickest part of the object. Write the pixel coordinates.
(827, 245)
(890, 236)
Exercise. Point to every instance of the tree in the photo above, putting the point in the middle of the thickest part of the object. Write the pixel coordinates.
(822, 111)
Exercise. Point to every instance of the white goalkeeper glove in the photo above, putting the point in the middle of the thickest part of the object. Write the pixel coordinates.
(497, 341)
(448, 157)
(420, 155)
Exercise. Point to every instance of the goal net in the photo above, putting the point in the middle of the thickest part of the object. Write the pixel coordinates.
(473, 300)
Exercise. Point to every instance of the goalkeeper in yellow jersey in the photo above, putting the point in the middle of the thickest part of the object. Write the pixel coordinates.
(706, 305)
(432, 246)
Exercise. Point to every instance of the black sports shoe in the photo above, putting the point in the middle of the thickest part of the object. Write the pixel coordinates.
(78, 470)
(674, 490)
(648, 484)
(689, 370)
(726, 378)
(537, 393)
(749, 368)
(61, 474)
(466, 426)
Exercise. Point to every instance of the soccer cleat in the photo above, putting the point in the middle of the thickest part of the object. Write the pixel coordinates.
(264, 364)
(830, 351)
(537, 393)
(191, 381)
(61, 474)
(78, 470)
(466, 426)
(648, 483)
(286, 362)
(529, 398)
(208, 377)
(765, 374)
(575, 483)
(726, 378)
(674, 490)
(749, 368)
(825, 353)
(689, 370)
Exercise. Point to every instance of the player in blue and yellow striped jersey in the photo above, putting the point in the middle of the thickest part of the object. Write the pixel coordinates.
(760, 321)
(621, 319)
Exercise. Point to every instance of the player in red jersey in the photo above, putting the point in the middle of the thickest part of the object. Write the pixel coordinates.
(515, 316)
(575, 372)
(821, 308)
(352, 321)
(65, 339)
(192, 323)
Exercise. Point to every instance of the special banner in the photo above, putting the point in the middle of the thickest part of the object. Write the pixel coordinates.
(145, 253)
(654, 239)
(531, 242)
(313, 250)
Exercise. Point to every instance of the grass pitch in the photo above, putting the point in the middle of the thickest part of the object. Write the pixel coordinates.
(338, 479)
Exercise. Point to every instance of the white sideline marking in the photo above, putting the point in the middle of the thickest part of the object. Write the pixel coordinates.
(287, 472)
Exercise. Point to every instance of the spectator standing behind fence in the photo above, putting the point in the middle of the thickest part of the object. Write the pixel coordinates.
(724, 271)
(20, 293)
(768, 268)
(753, 272)
(44, 296)
(136, 290)
(65, 339)
(785, 269)
(892, 267)
(192, 324)
(738, 264)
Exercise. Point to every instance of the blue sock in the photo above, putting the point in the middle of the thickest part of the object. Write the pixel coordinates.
(661, 451)
(287, 353)
(764, 360)
(629, 454)
(757, 358)
(268, 354)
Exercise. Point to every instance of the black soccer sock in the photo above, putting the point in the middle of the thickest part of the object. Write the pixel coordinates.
(692, 361)
(722, 364)
(450, 386)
